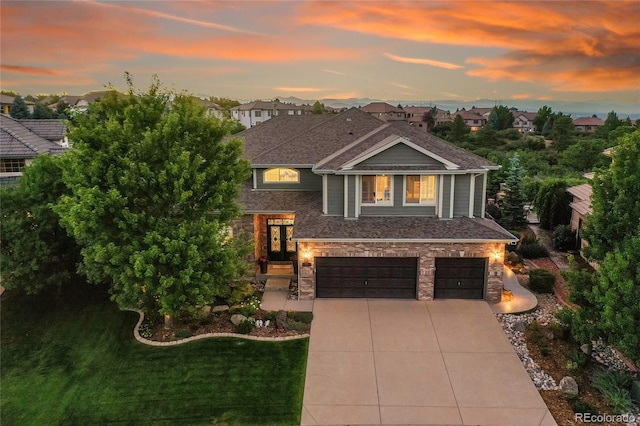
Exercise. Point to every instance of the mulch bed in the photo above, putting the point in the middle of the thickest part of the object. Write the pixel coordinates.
(217, 322)
(561, 288)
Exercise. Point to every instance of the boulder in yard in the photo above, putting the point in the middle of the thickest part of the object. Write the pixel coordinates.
(281, 320)
(236, 319)
(569, 386)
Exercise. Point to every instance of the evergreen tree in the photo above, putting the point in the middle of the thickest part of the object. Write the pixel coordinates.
(513, 214)
(562, 132)
(542, 118)
(500, 118)
(552, 203)
(318, 108)
(42, 112)
(19, 109)
(459, 130)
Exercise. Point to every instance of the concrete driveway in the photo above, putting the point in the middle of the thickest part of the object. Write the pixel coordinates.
(411, 362)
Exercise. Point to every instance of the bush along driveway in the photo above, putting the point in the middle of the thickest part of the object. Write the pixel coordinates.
(73, 360)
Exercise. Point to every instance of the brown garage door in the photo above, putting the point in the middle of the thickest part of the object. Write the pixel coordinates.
(460, 278)
(375, 277)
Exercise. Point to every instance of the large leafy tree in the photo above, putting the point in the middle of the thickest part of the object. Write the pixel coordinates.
(562, 131)
(615, 200)
(513, 214)
(35, 251)
(552, 203)
(153, 190)
(544, 115)
(500, 118)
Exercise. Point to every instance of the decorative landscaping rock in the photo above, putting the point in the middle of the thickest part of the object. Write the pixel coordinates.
(206, 310)
(550, 335)
(236, 319)
(520, 326)
(586, 348)
(220, 308)
(281, 320)
(569, 386)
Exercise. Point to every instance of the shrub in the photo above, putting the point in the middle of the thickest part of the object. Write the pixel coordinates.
(298, 326)
(249, 307)
(614, 386)
(240, 293)
(559, 330)
(513, 258)
(579, 357)
(183, 333)
(245, 327)
(541, 281)
(533, 251)
(564, 238)
(305, 317)
(580, 406)
(270, 315)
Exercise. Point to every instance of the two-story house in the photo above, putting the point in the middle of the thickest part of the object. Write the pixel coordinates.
(523, 121)
(257, 112)
(368, 208)
(22, 140)
(473, 120)
(385, 111)
(587, 125)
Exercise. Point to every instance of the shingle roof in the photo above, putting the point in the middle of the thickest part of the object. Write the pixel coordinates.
(50, 129)
(312, 224)
(588, 121)
(17, 141)
(380, 108)
(315, 140)
(582, 192)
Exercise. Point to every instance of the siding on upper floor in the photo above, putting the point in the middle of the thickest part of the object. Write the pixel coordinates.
(400, 154)
(309, 181)
(461, 195)
(478, 206)
(335, 195)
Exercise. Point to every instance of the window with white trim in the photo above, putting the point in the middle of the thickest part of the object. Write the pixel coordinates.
(11, 165)
(377, 189)
(420, 189)
(281, 174)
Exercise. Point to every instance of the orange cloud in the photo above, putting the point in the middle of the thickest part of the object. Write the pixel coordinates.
(572, 46)
(26, 70)
(422, 61)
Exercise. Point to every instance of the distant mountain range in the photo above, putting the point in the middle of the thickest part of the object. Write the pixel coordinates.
(576, 109)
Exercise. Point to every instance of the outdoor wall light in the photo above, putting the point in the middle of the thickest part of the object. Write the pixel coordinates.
(496, 255)
(306, 254)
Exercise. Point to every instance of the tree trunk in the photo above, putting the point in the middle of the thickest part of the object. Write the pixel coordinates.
(168, 322)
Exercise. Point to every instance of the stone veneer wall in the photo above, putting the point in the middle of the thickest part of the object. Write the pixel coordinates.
(427, 254)
(245, 226)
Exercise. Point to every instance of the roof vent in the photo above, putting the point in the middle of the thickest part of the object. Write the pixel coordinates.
(348, 119)
(350, 132)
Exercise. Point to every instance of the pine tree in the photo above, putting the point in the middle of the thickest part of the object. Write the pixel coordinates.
(19, 109)
(513, 214)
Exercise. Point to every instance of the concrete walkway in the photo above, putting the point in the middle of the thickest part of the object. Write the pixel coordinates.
(523, 300)
(411, 362)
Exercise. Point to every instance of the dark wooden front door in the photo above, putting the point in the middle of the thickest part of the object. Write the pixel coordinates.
(280, 245)
(373, 277)
(460, 278)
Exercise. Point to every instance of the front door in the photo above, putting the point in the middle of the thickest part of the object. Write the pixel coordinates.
(280, 245)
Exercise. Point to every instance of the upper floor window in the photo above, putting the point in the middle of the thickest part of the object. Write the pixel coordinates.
(281, 175)
(258, 113)
(420, 189)
(377, 190)
(11, 165)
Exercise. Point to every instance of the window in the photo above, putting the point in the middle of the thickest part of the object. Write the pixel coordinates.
(281, 175)
(376, 190)
(11, 165)
(258, 113)
(420, 190)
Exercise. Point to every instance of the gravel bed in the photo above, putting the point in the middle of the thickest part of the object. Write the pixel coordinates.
(548, 305)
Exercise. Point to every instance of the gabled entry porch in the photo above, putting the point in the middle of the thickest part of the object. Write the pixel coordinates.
(273, 236)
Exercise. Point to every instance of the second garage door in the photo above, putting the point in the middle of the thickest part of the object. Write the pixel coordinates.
(374, 277)
(460, 278)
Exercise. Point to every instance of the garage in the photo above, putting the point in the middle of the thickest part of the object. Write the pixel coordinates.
(370, 277)
(460, 278)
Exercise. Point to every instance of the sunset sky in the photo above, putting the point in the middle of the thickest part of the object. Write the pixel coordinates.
(413, 50)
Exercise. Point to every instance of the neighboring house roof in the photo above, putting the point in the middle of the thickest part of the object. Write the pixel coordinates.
(588, 121)
(582, 198)
(18, 141)
(468, 115)
(311, 224)
(6, 99)
(527, 115)
(270, 105)
(380, 108)
(329, 142)
(50, 129)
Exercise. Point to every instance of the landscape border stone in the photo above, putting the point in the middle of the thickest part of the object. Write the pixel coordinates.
(139, 338)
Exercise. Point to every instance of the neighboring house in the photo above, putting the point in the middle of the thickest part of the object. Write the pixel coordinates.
(257, 112)
(81, 103)
(471, 119)
(22, 140)
(580, 207)
(415, 116)
(587, 124)
(213, 109)
(367, 208)
(6, 102)
(384, 111)
(523, 121)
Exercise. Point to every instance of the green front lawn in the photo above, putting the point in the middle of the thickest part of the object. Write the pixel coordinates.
(74, 361)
